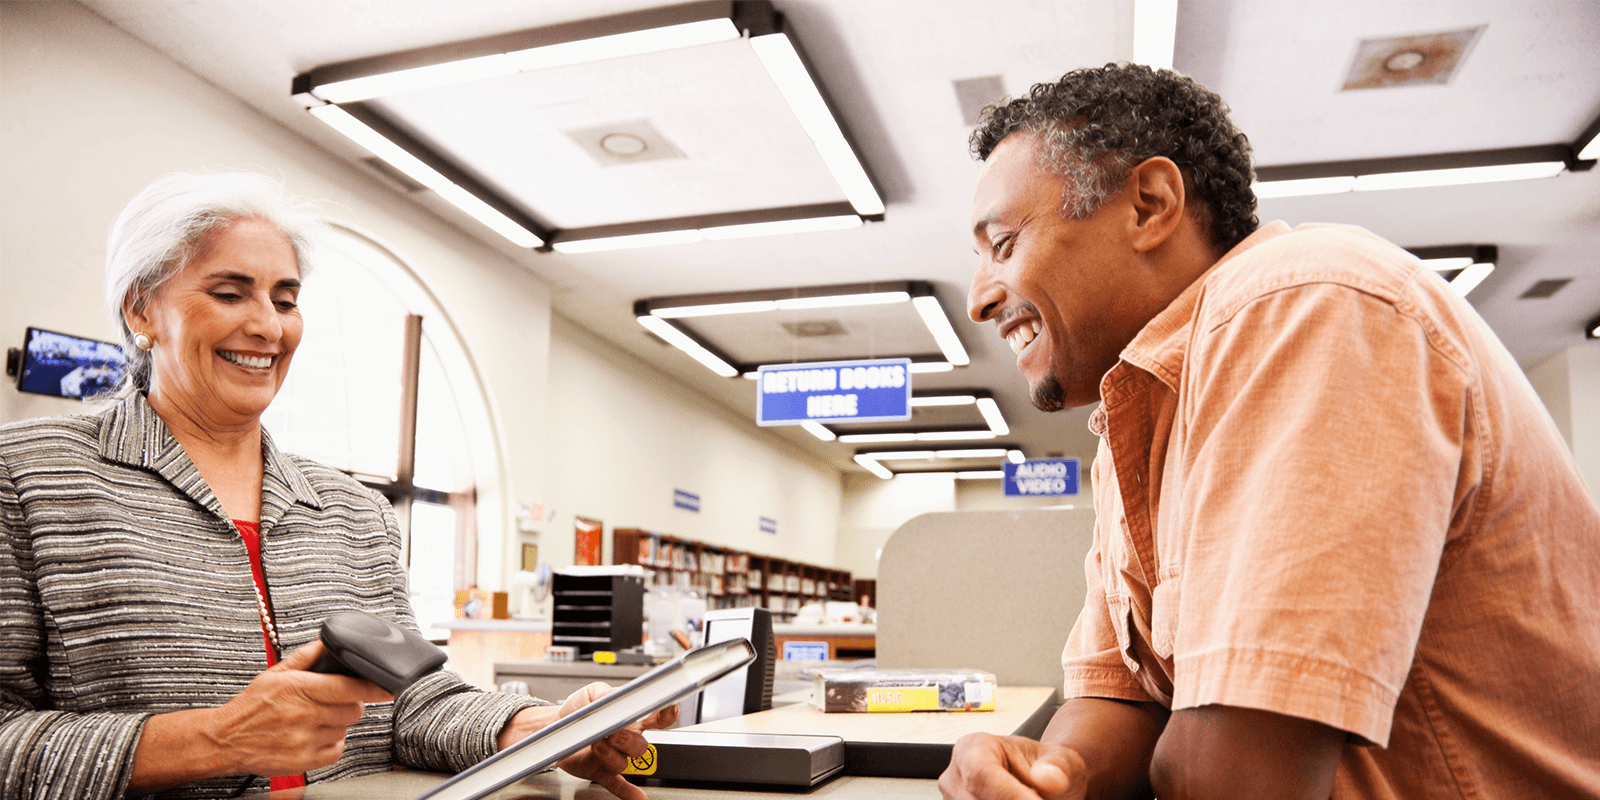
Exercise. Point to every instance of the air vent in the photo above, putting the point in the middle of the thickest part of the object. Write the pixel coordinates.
(975, 93)
(625, 143)
(1545, 288)
(1430, 58)
(813, 328)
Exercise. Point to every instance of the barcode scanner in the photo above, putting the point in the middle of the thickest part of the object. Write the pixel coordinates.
(364, 646)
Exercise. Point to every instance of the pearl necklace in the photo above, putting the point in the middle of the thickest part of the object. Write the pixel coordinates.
(266, 620)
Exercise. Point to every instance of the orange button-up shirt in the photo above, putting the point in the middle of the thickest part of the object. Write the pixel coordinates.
(1324, 489)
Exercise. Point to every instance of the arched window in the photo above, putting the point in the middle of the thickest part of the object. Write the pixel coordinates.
(379, 351)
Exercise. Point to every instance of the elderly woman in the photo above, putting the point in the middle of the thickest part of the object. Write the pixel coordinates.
(164, 568)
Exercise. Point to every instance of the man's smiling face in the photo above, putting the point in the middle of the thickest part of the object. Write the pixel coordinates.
(1062, 292)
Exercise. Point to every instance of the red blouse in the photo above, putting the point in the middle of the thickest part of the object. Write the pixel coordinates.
(251, 533)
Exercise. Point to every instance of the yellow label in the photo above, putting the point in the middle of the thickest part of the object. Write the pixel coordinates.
(605, 657)
(908, 698)
(642, 765)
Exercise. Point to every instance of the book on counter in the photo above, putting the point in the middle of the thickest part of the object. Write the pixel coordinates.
(872, 690)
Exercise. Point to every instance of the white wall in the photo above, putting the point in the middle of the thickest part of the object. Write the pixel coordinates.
(88, 115)
(624, 435)
(1569, 384)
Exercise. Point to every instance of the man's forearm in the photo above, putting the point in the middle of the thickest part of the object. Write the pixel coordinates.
(1116, 739)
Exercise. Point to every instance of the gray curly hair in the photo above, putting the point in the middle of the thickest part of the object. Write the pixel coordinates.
(170, 222)
(1095, 124)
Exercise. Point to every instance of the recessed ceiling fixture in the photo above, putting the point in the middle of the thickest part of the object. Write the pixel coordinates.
(1430, 58)
(1464, 266)
(663, 312)
(443, 115)
(1591, 329)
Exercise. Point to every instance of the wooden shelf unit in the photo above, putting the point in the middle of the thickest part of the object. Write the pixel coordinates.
(726, 577)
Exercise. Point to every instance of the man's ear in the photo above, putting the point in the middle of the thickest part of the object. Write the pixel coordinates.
(1158, 200)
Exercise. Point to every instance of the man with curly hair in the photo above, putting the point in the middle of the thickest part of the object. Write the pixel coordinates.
(1340, 548)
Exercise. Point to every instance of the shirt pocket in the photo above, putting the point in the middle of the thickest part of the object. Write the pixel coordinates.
(1164, 615)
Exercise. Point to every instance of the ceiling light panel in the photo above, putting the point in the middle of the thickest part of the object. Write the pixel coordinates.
(877, 331)
(741, 141)
(714, 103)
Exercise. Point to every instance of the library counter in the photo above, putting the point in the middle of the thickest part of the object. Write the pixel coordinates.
(558, 785)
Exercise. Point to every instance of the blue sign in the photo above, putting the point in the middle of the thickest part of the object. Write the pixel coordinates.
(837, 391)
(1050, 477)
(683, 499)
(769, 525)
(805, 651)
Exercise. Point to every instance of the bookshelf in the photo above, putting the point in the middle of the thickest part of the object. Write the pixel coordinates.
(726, 577)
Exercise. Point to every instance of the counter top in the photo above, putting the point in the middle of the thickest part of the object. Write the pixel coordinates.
(558, 785)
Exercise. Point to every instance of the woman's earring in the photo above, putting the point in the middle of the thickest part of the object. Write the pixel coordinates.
(142, 341)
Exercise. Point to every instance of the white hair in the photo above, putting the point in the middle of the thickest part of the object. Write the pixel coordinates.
(170, 222)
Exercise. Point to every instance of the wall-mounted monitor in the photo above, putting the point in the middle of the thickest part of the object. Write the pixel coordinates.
(67, 366)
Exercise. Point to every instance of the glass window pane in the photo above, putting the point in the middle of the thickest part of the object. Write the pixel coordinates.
(432, 571)
(443, 461)
(340, 404)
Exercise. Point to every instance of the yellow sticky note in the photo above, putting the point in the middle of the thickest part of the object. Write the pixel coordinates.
(605, 657)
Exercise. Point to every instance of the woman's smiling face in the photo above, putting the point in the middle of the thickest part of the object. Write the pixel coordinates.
(225, 326)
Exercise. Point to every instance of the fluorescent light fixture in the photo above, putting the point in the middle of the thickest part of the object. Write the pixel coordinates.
(375, 143)
(953, 436)
(903, 455)
(877, 438)
(921, 367)
(1590, 151)
(632, 43)
(939, 325)
(783, 304)
(627, 242)
(920, 436)
(993, 452)
(803, 225)
(1447, 264)
(556, 55)
(1469, 278)
(991, 414)
(817, 430)
(842, 300)
(783, 64)
(1458, 176)
(1015, 456)
(680, 340)
(874, 467)
(981, 475)
(944, 400)
(1155, 29)
(1303, 187)
(714, 309)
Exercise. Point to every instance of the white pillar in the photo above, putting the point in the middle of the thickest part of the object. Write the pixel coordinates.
(1569, 384)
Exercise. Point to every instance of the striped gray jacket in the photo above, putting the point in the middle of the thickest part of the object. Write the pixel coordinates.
(125, 591)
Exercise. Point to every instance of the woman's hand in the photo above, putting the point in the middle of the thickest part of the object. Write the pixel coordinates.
(285, 722)
(602, 761)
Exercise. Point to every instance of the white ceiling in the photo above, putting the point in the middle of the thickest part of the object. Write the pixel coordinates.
(1531, 78)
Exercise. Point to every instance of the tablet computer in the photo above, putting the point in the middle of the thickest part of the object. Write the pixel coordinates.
(633, 701)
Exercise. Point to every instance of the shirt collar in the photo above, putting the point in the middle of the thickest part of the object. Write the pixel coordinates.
(135, 435)
(1161, 345)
